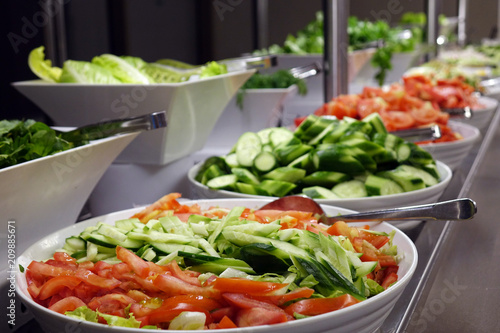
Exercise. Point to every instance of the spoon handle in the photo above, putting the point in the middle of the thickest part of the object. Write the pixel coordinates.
(457, 209)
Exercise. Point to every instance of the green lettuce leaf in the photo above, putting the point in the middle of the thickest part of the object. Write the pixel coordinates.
(83, 313)
(42, 67)
(122, 69)
(213, 68)
(75, 71)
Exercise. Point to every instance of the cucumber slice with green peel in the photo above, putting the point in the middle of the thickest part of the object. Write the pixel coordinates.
(432, 169)
(308, 162)
(376, 122)
(247, 147)
(326, 179)
(277, 188)
(334, 159)
(407, 181)
(387, 140)
(281, 135)
(337, 132)
(369, 147)
(318, 138)
(226, 182)
(212, 172)
(265, 161)
(319, 192)
(250, 189)
(305, 124)
(245, 176)
(419, 156)
(317, 128)
(428, 179)
(359, 128)
(217, 160)
(231, 160)
(287, 154)
(350, 189)
(264, 135)
(286, 174)
(376, 185)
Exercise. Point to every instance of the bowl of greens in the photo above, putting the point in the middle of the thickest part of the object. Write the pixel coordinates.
(110, 87)
(45, 184)
(269, 282)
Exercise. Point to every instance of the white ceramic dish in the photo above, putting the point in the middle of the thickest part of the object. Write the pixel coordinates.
(366, 316)
(193, 108)
(452, 153)
(481, 116)
(423, 196)
(47, 194)
(262, 108)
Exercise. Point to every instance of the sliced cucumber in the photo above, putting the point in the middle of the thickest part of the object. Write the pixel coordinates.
(247, 147)
(286, 174)
(428, 179)
(277, 188)
(226, 182)
(350, 189)
(408, 181)
(265, 161)
(325, 178)
(381, 186)
(245, 176)
(319, 192)
(250, 189)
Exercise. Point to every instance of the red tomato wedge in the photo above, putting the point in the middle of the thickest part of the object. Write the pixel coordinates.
(259, 316)
(317, 306)
(67, 304)
(246, 286)
(139, 266)
(56, 285)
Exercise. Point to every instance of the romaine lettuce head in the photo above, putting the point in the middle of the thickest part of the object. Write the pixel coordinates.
(122, 69)
(85, 72)
(42, 67)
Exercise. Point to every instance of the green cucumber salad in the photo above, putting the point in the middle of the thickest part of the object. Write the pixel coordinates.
(323, 158)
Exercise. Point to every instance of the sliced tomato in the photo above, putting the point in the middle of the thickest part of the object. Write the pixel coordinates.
(386, 260)
(246, 286)
(226, 322)
(397, 119)
(95, 280)
(64, 257)
(67, 304)
(139, 266)
(317, 306)
(165, 314)
(173, 286)
(389, 279)
(339, 228)
(110, 303)
(425, 115)
(376, 240)
(370, 105)
(56, 285)
(259, 316)
(303, 292)
(47, 270)
(179, 273)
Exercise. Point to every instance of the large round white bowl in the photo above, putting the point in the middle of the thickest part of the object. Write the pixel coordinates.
(452, 153)
(481, 116)
(428, 195)
(366, 316)
(44, 195)
(193, 108)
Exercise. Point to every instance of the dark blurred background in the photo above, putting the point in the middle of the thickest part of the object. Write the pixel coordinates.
(193, 31)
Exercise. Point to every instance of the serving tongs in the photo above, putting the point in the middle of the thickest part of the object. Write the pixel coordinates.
(306, 71)
(419, 134)
(250, 62)
(117, 126)
(465, 112)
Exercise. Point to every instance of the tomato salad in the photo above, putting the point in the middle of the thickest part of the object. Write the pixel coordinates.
(314, 269)
(417, 102)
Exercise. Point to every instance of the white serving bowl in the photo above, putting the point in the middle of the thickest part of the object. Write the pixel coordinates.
(193, 108)
(452, 153)
(262, 108)
(428, 195)
(47, 194)
(366, 316)
(481, 116)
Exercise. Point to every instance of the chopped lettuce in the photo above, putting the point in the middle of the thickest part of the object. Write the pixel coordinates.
(43, 67)
(83, 313)
(213, 68)
(188, 320)
(86, 72)
(123, 70)
(86, 314)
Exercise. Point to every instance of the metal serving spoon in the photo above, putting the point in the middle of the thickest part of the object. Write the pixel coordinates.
(458, 209)
(117, 126)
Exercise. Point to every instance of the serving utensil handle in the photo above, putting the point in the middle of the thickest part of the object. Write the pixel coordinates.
(457, 209)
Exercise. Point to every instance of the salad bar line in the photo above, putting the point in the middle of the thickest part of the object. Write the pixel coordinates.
(233, 196)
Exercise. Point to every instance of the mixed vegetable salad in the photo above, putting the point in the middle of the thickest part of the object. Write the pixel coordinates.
(323, 158)
(175, 266)
(112, 69)
(22, 141)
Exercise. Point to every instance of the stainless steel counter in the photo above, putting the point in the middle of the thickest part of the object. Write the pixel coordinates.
(456, 287)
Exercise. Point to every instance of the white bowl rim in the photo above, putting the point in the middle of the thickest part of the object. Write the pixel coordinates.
(41, 83)
(443, 182)
(400, 284)
(457, 126)
(490, 104)
(67, 151)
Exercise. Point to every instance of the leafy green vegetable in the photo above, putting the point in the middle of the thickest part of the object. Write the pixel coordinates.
(310, 40)
(22, 141)
(41, 67)
(112, 69)
(86, 314)
(279, 79)
(83, 313)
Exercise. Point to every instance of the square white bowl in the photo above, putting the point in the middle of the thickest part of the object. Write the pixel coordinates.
(365, 316)
(481, 116)
(193, 108)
